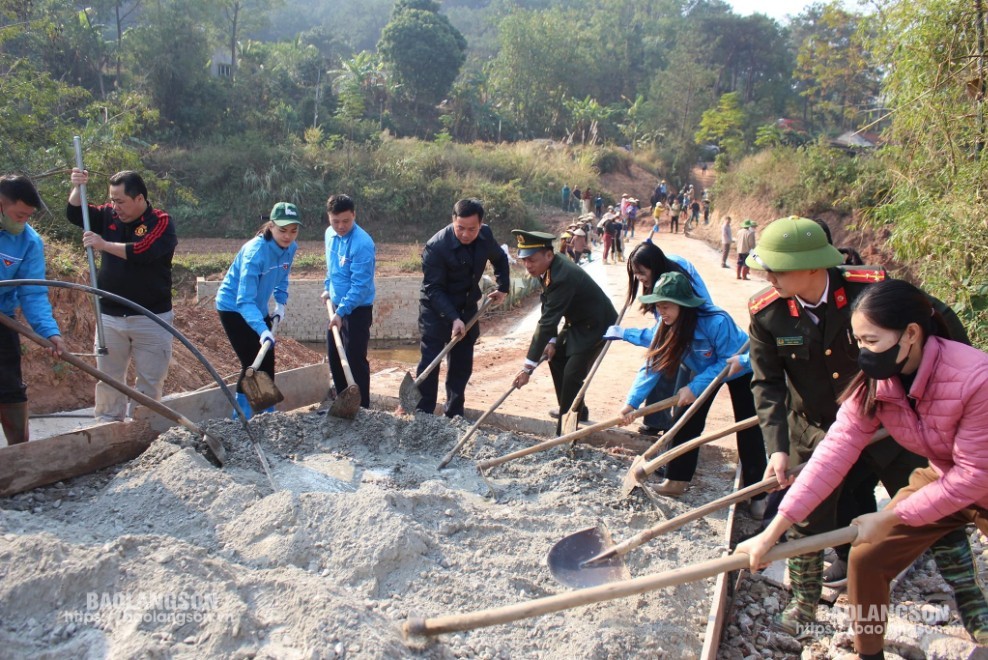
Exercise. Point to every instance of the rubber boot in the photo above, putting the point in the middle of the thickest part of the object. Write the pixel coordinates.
(244, 405)
(13, 418)
(806, 579)
(952, 554)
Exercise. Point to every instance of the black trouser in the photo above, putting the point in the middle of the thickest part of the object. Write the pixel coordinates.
(12, 387)
(436, 333)
(751, 447)
(569, 370)
(355, 334)
(246, 344)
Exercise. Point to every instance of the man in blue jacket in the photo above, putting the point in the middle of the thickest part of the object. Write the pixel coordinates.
(21, 258)
(453, 262)
(350, 258)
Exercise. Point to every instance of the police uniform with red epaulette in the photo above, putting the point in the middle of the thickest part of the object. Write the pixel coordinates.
(800, 368)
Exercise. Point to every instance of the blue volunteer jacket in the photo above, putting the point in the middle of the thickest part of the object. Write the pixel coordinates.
(260, 270)
(350, 269)
(643, 336)
(22, 257)
(717, 338)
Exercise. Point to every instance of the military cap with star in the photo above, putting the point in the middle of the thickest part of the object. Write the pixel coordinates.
(530, 242)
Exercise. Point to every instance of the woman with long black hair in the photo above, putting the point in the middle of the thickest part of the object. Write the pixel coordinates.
(702, 337)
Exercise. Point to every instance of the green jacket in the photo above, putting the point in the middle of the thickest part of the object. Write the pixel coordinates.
(799, 372)
(569, 293)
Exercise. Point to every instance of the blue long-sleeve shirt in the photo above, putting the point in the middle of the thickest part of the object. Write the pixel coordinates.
(259, 271)
(643, 336)
(350, 263)
(22, 257)
(717, 337)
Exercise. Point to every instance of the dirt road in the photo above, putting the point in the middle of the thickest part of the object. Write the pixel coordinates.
(498, 359)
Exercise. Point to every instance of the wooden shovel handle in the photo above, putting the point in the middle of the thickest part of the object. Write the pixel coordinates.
(691, 410)
(452, 342)
(622, 589)
(690, 445)
(264, 347)
(473, 429)
(742, 495)
(578, 401)
(140, 397)
(576, 435)
(338, 340)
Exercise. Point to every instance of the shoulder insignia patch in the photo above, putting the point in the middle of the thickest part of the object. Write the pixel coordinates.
(763, 299)
(864, 274)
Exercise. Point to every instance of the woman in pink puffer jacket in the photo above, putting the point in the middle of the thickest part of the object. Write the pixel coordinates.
(931, 394)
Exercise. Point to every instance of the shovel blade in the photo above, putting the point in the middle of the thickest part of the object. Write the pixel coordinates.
(347, 404)
(571, 420)
(630, 479)
(567, 557)
(261, 391)
(408, 394)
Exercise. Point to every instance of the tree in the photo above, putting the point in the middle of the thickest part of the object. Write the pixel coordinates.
(423, 51)
(724, 125)
(241, 16)
(935, 172)
(839, 80)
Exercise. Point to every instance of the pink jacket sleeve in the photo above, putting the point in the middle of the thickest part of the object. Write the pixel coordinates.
(966, 481)
(830, 462)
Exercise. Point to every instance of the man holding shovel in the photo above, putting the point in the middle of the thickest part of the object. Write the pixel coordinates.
(21, 258)
(453, 262)
(803, 354)
(569, 293)
(350, 259)
(137, 242)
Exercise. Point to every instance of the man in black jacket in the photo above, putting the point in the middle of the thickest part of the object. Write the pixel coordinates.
(137, 242)
(453, 262)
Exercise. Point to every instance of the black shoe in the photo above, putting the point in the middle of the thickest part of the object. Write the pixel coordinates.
(554, 413)
(584, 414)
(645, 429)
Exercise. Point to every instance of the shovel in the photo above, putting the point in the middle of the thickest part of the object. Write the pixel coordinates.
(347, 402)
(576, 435)
(473, 429)
(258, 387)
(637, 473)
(409, 394)
(589, 548)
(214, 444)
(571, 420)
(565, 601)
(588, 557)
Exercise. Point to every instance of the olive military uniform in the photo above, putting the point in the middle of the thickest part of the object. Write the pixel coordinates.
(569, 293)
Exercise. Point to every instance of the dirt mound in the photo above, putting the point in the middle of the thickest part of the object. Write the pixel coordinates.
(171, 556)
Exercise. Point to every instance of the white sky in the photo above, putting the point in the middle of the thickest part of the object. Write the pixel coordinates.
(777, 9)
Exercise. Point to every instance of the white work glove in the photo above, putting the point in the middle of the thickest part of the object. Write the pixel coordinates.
(614, 332)
(267, 336)
(279, 311)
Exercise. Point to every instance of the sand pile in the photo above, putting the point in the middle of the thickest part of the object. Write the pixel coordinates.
(170, 556)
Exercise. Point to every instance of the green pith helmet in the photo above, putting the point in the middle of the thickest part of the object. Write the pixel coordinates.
(793, 243)
(530, 242)
(675, 288)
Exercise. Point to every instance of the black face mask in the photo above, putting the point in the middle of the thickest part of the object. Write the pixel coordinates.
(881, 366)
